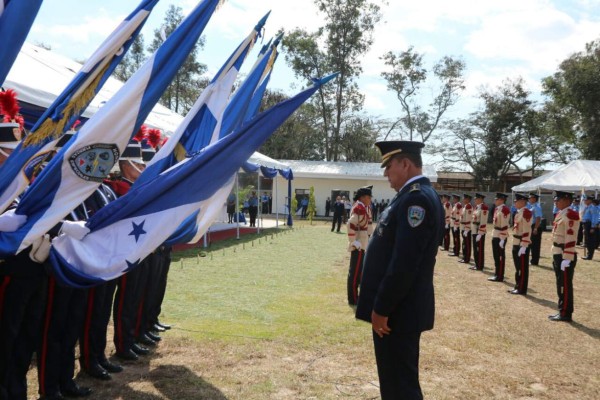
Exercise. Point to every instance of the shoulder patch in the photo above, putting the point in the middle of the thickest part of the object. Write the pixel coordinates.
(416, 215)
(505, 211)
(458, 206)
(484, 207)
(468, 206)
(527, 214)
(572, 214)
(415, 187)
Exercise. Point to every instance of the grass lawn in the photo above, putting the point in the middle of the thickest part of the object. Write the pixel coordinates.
(266, 317)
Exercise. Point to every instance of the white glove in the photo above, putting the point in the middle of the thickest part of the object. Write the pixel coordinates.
(447, 226)
(356, 244)
(478, 237)
(501, 244)
(40, 249)
(10, 222)
(565, 264)
(455, 229)
(75, 229)
(466, 233)
(522, 251)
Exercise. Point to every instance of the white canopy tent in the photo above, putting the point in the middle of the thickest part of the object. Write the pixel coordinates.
(576, 176)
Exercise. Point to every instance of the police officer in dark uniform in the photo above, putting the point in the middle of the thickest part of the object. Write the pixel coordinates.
(397, 295)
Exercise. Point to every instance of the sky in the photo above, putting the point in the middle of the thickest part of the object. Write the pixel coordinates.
(496, 39)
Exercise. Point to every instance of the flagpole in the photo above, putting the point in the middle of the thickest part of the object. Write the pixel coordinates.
(259, 200)
(276, 202)
(237, 205)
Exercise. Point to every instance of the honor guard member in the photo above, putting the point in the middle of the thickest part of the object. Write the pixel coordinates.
(521, 241)
(536, 229)
(499, 236)
(396, 294)
(447, 221)
(455, 217)
(466, 217)
(564, 256)
(10, 137)
(360, 228)
(589, 220)
(478, 231)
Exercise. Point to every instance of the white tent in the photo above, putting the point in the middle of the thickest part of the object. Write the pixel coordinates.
(575, 176)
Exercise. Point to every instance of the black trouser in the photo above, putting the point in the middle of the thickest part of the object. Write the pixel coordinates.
(446, 239)
(337, 219)
(466, 247)
(590, 239)
(580, 234)
(22, 294)
(155, 305)
(92, 343)
(63, 320)
(521, 269)
(456, 241)
(499, 258)
(564, 285)
(155, 261)
(397, 358)
(126, 306)
(536, 242)
(479, 251)
(354, 275)
(253, 211)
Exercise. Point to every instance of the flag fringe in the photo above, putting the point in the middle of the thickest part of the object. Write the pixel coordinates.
(55, 129)
(221, 2)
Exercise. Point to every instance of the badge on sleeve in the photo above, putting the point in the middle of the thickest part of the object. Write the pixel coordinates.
(416, 215)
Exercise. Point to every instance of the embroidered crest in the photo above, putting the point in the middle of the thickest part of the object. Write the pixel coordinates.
(416, 215)
(93, 163)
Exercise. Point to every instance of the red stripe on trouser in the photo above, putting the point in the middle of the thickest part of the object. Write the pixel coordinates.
(565, 293)
(3, 287)
(138, 322)
(501, 269)
(119, 322)
(480, 247)
(44, 350)
(87, 328)
(354, 285)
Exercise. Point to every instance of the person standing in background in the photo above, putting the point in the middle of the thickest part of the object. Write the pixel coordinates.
(338, 212)
(536, 228)
(327, 207)
(360, 228)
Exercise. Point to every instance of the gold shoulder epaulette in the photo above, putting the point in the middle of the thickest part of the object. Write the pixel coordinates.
(415, 187)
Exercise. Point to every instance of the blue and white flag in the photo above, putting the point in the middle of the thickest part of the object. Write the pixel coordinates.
(17, 171)
(197, 129)
(77, 170)
(198, 223)
(125, 231)
(16, 18)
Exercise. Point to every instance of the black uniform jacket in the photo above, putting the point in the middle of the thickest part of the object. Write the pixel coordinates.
(397, 279)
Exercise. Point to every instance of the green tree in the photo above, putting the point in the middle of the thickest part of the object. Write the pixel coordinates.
(132, 60)
(183, 92)
(574, 92)
(338, 46)
(408, 78)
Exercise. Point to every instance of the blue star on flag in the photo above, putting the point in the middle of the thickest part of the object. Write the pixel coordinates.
(132, 265)
(138, 230)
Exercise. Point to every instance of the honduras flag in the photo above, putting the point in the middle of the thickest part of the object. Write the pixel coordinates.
(196, 224)
(77, 170)
(16, 18)
(125, 231)
(17, 171)
(195, 132)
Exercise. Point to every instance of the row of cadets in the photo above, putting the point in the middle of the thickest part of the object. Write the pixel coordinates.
(499, 236)
(455, 224)
(590, 221)
(478, 231)
(360, 228)
(445, 199)
(536, 232)
(466, 217)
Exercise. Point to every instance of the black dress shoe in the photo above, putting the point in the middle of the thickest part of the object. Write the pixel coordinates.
(98, 372)
(474, 268)
(139, 350)
(559, 317)
(158, 328)
(153, 336)
(585, 258)
(110, 367)
(165, 326)
(515, 291)
(72, 389)
(128, 355)
(494, 279)
(146, 341)
(462, 261)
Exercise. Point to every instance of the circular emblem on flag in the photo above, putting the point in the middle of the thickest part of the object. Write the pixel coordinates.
(93, 162)
(33, 165)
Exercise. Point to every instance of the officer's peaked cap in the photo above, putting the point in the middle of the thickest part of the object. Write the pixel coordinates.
(520, 196)
(8, 138)
(501, 196)
(467, 196)
(559, 194)
(479, 196)
(537, 196)
(389, 149)
(132, 152)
